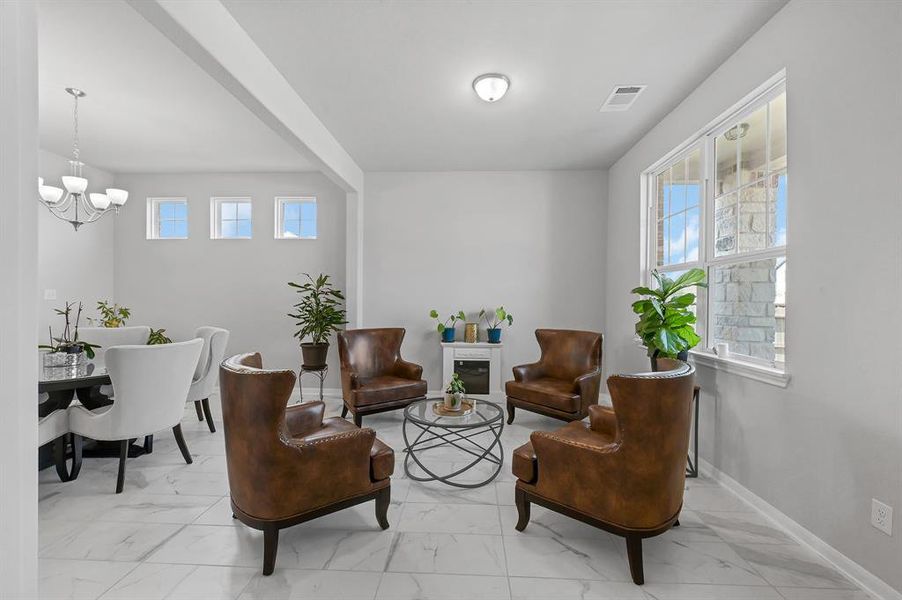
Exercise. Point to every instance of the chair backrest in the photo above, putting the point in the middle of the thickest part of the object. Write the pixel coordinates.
(567, 353)
(370, 352)
(253, 418)
(107, 337)
(151, 384)
(215, 341)
(653, 422)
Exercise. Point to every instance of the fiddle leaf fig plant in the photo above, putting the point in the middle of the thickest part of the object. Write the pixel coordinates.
(665, 319)
(449, 322)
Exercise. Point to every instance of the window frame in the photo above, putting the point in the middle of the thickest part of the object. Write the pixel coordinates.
(776, 373)
(279, 214)
(216, 203)
(152, 226)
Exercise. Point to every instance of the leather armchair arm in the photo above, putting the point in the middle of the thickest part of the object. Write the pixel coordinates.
(303, 418)
(588, 387)
(408, 370)
(335, 466)
(603, 420)
(526, 372)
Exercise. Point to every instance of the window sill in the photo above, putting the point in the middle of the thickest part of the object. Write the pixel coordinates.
(760, 373)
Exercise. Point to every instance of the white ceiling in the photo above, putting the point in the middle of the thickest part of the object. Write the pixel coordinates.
(391, 79)
(149, 108)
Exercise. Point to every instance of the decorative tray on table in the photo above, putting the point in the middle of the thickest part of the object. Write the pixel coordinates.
(466, 407)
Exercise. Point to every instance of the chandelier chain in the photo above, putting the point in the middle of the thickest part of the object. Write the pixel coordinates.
(75, 149)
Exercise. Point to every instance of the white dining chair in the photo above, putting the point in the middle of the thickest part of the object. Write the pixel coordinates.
(151, 384)
(207, 373)
(107, 337)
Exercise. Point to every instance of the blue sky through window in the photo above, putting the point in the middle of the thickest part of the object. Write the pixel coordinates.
(298, 219)
(172, 219)
(235, 219)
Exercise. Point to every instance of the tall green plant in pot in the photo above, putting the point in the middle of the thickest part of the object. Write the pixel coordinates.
(318, 315)
(665, 318)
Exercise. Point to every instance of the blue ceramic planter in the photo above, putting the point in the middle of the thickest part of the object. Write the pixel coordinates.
(448, 334)
(494, 335)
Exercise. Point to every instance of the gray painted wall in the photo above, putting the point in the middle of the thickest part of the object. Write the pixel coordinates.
(532, 241)
(236, 284)
(822, 448)
(78, 265)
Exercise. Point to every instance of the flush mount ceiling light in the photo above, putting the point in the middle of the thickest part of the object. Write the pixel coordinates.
(491, 87)
(73, 205)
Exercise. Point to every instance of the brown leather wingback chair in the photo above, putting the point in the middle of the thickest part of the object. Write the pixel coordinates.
(624, 471)
(565, 381)
(374, 377)
(288, 465)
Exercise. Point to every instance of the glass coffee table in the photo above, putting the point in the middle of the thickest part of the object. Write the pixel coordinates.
(475, 436)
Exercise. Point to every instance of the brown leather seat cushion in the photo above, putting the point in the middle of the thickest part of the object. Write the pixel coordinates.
(387, 388)
(524, 463)
(382, 457)
(554, 393)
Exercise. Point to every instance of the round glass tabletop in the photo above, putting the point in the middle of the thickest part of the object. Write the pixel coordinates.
(483, 413)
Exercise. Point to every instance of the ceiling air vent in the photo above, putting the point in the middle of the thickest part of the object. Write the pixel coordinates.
(622, 98)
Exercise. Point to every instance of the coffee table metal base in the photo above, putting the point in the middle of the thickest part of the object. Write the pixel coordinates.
(437, 435)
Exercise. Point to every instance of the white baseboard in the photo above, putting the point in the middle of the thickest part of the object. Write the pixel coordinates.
(851, 569)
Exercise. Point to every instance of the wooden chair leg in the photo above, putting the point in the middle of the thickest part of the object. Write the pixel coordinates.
(344, 411)
(510, 413)
(180, 440)
(77, 446)
(634, 554)
(199, 410)
(148, 444)
(523, 504)
(208, 415)
(59, 457)
(383, 500)
(676, 523)
(358, 419)
(270, 549)
(123, 455)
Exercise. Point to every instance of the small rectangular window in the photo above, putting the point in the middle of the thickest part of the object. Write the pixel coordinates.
(295, 218)
(230, 219)
(167, 219)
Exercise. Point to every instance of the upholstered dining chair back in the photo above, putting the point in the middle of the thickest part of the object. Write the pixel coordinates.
(370, 352)
(151, 383)
(653, 423)
(107, 337)
(567, 354)
(215, 341)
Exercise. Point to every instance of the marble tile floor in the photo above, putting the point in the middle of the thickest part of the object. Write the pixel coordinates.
(170, 535)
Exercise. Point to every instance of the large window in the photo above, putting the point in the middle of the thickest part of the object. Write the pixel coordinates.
(295, 218)
(167, 219)
(719, 203)
(230, 219)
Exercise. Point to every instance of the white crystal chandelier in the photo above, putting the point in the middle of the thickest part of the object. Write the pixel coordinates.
(77, 207)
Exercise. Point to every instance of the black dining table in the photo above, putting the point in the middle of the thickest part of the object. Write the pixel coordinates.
(63, 385)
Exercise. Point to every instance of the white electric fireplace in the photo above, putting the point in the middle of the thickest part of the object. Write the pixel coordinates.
(478, 364)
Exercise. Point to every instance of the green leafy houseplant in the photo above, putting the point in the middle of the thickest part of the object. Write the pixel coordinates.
(111, 315)
(157, 337)
(68, 342)
(448, 323)
(318, 314)
(493, 322)
(454, 393)
(665, 319)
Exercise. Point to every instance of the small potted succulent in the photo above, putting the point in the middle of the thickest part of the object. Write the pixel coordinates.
(446, 327)
(493, 322)
(67, 350)
(665, 317)
(454, 393)
(111, 315)
(319, 314)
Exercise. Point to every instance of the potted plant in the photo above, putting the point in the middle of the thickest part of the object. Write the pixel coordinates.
(493, 322)
(67, 350)
(665, 319)
(446, 327)
(111, 315)
(454, 393)
(318, 314)
(157, 337)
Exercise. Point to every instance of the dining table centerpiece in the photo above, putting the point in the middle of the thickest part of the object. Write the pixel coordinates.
(67, 350)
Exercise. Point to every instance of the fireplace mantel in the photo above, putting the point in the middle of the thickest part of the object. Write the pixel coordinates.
(475, 351)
